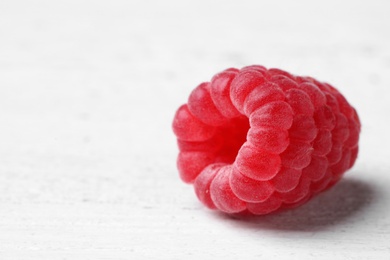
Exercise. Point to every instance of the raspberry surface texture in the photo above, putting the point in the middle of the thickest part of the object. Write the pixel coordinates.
(259, 140)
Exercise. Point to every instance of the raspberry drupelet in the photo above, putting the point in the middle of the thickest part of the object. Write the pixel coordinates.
(258, 140)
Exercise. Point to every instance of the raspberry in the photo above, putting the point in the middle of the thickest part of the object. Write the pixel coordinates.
(257, 140)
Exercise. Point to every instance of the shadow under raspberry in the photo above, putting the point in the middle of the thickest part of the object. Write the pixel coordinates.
(338, 205)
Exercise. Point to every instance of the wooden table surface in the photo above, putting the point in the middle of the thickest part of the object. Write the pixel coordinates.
(88, 90)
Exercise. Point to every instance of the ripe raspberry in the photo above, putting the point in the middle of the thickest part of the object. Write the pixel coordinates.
(257, 140)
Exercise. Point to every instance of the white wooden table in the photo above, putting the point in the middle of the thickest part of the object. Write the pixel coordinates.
(88, 90)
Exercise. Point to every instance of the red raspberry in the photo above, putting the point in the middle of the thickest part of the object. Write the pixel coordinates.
(260, 140)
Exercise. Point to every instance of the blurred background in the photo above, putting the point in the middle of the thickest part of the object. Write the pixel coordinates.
(88, 90)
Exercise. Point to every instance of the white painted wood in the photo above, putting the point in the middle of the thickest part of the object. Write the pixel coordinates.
(88, 90)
